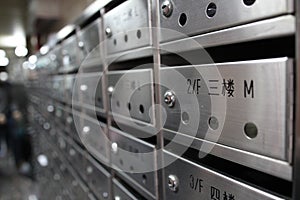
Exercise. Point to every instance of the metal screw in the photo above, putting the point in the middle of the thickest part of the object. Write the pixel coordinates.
(173, 182)
(105, 195)
(89, 170)
(169, 98)
(80, 45)
(167, 8)
(114, 147)
(110, 89)
(108, 32)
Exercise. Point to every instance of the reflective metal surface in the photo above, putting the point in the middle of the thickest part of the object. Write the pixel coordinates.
(88, 43)
(193, 17)
(89, 90)
(245, 89)
(275, 167)
(128, 155)
(131, 94)
(69, 54)
(129, 26)
(197, 182)
(269, 28)
(92, 135)
(120, 192)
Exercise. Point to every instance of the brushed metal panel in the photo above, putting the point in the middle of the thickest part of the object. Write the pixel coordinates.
(69, 83)
(227, 14)
(89, 54)
(261, 95)
(98, 178)
(121, 192)
(278, 168)
(126, 22)
(92, 135)
(129, 157)
(132, 94)
(69, 54)
(197, 182)
(55, 58)
(58, 87)
(89, 36)
(90, 89)
(270, 28)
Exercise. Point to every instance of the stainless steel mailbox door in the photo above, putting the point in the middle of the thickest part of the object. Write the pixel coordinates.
(89, 45)
(128, 155)
(191, 181)
(127, 26)
(90, 89)
(89, 36)
(69, 54)
(121, 192)
(92, 135)
(194, 17)
(131, 94)
(58, 87)
(69, 83)
(98, 178)
(55, 57)
(256, 96)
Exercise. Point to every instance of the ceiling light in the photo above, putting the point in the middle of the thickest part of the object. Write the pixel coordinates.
(25, 65)
(21, 51)
(44, 50)
(3, 76)
(4, 61)
(32, 59)
(2, 53)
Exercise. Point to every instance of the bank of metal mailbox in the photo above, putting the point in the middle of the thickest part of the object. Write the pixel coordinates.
(127, 26)
(135, 157)
(89, 44)
(88, 91)
(98, 178)
(187, 180)
(92, 135)
(236, 102)
(131, 94)
(69, 54)
(194, 17)
(121, 192)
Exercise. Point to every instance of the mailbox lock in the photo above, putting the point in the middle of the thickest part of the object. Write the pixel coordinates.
(167, 8)
(173, 183)
(108, 32)
(169, 98)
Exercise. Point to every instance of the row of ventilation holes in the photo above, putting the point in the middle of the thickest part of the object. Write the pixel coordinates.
(211, 10)
(141, 107)
(138, 35)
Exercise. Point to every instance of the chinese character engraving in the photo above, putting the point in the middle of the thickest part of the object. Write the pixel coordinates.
(228, 87)
(214, 193)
